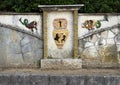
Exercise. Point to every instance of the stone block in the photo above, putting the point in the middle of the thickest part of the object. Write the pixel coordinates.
(117, 38)
(110, 41)
(111, 35)
(89, 44)
(93, 39)
(74, 80)
(116, 30)
(112, 80)
(23, 79)
(57, 80)
(104, 34)
(36, 79)
(90, 52)
(61, 63)
(94, 80)
(101, 42)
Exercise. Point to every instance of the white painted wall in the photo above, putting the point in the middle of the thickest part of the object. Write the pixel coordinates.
(14, 21)
(67, 50)
(100, 47)
(112, 20)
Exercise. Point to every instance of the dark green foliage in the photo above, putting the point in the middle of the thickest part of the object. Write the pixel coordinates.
(101, 6)
(91, 6)
(59, 2)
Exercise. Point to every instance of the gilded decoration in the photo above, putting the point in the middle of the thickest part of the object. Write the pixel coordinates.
(60, 32)
(91, 24)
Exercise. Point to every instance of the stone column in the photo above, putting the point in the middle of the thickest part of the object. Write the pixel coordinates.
(75, 25)
(45, 33)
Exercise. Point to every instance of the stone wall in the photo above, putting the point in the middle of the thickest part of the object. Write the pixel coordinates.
(99, 47)
(38, 79)
(19, 49)
(99, 39)
(13, 19)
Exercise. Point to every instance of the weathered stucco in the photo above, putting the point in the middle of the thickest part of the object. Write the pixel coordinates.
(19, 49)
(13, 19)
(98, 47)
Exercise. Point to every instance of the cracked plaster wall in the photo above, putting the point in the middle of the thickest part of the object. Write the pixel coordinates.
(13, 20)
(103, 49)
(19, 49)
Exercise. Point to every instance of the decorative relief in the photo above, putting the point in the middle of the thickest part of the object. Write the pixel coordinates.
(60, 32)
(60, 23)
(91, 24)
(32, 25)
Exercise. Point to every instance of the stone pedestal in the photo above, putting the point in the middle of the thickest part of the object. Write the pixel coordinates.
(61, 64)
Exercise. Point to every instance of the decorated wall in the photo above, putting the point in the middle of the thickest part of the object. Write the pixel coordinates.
(21, 43)
(60, 34)
(29, 22)
(99, 39)
(21, 38)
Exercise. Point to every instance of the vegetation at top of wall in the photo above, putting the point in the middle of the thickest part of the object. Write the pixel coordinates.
(91, 6)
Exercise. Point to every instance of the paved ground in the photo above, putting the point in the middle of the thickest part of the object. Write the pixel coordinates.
(65, 72)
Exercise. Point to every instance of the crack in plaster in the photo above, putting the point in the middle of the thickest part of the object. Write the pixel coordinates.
(21, 47)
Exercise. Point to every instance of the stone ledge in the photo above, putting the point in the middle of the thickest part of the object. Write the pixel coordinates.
(38, 79)
(60, 7)
(61, 64)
